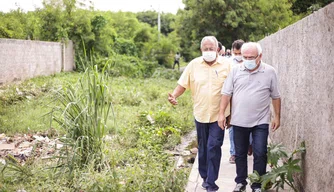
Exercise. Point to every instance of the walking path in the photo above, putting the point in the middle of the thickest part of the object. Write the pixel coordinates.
(226, 173)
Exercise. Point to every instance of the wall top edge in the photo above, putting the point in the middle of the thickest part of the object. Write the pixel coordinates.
(3, 40)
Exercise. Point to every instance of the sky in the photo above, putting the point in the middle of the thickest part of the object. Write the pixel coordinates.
(167, 6)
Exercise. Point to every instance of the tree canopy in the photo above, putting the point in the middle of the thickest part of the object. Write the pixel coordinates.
(230, 20)
(106, 33)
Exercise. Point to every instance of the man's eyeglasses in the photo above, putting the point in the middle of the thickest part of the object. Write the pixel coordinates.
(250, 58)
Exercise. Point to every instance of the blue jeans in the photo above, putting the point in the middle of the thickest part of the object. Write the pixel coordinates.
(230, 133)
(210, 138)
(241, 142)
(232, 148)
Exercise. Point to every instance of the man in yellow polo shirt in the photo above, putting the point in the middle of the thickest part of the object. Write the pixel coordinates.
(204, 76)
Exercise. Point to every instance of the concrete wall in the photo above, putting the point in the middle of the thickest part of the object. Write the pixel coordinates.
(23, 59)
(68, 57)
(303, 55)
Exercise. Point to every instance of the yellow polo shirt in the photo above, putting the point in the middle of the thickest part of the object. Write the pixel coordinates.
(205, 83)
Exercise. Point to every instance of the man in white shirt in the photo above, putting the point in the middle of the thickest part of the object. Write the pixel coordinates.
(237, 60)
(252, 84)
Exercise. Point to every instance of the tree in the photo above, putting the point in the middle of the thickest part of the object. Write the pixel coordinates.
(229, 20)
(13, 24)
(151, 17)
(306, 7)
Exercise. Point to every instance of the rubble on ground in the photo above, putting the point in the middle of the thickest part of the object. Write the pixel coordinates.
(23, 146)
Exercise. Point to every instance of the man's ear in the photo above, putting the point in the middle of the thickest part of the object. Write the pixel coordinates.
(260, 56)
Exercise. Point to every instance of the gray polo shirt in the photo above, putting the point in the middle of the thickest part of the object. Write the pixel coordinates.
(251, 93)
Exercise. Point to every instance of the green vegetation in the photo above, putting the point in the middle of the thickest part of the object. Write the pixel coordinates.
(106, 33)
(103, 34)
(284, 168)
(305, 7)
(114, 132)
(29, 102)
(83, 114)
(112, 115)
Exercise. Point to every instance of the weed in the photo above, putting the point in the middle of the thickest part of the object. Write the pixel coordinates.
(283, 167)
(84, 113)
(133, 156)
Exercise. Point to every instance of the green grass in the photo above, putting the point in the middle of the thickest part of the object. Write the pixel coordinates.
(183, 63)
(24, 106)
(135, 155)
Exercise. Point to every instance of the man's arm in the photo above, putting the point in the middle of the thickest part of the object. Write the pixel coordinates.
(277, 116)
(225, 100)
(179, 90)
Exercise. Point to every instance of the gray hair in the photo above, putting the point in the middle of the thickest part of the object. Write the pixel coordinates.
(223, 48)
(210, 38)
(249, 45)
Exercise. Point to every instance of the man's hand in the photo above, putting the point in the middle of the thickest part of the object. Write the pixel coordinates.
(172, 99)
(277, 109)
(275, 123)
(222, 121)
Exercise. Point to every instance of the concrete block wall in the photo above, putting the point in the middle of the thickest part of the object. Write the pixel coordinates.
(68, 62)
(303, 54)
(23, 59)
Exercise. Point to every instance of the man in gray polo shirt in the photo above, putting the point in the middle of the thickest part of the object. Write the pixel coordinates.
(252, 84)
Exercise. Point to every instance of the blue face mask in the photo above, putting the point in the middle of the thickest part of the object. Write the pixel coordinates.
(250, 64)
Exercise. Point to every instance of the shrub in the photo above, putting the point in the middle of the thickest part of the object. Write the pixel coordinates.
(128, 66)
(283, 167)
(125, 47)
(84, 113)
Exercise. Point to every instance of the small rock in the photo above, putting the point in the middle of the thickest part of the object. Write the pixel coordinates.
(59, 146)
(47, 140)
(7, 146)
(25, 144)
(186, 153)
(150, 119)
(3, 161)
(194, 150)
(39, 138)
(26, 151)
(191, 160)
(2, 136)
(18, 91)
(180, 162)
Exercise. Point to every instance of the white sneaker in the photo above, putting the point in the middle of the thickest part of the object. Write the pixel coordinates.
(257, 190)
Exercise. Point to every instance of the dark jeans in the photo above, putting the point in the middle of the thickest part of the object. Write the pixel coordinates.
(176, 63)
(210, 138)
(241, 142)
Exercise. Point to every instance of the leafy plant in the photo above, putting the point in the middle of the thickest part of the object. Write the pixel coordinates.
(85, 109)
(283, 167)
(134, 156)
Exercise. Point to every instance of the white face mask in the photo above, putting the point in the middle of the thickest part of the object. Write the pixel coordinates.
(238, 58)
(250, 64)
(209, 56)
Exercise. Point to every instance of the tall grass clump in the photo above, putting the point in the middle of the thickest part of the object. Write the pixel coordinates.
(84, 112)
